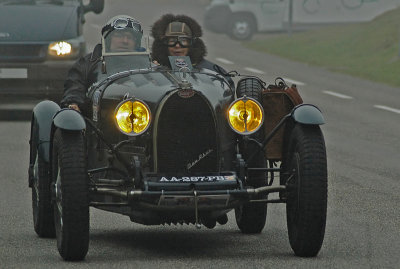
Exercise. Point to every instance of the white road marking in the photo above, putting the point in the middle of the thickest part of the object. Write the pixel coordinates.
(224, 61)
(388, 108)
(253, 70)
(339, 95)
(292, 81)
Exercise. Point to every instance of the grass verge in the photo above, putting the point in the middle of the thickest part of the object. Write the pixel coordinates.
(369, 50)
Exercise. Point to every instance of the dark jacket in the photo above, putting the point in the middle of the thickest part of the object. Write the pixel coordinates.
(197, 51)
(80, 77)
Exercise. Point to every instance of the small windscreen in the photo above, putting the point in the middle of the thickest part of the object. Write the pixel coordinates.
(125, 41)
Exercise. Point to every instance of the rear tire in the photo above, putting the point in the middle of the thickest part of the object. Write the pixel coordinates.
(71, 206)
(43, 217)
(251, 217)
(307, 190)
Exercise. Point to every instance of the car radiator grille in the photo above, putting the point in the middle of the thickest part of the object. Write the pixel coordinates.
(186, 136)
(22, 52)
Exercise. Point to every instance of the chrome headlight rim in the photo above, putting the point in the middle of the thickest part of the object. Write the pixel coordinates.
(245, 99)
(132, 100)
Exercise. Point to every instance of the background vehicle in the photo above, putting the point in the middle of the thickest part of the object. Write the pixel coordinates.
(39, 42)
(133, 153)
(240, 19)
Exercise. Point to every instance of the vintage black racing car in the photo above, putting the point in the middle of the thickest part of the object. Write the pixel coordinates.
(177, 145)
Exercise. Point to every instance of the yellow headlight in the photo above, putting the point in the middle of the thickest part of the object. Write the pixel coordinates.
(245, 116)
(132, 117)
(60, 48)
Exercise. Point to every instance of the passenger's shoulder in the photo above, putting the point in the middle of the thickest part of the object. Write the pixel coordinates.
(206, 64)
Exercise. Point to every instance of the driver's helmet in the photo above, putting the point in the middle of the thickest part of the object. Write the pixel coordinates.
(125, 32)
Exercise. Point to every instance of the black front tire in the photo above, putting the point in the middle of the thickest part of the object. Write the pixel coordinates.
(251, 217)
(71, 206)
(307, 185)
(43, 218)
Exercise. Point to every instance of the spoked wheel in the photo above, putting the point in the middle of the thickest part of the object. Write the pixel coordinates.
(43, 218)
(251, 217)
(307, 190)
(71, 206)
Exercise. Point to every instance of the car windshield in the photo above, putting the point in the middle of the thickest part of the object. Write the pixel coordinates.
(122, 55)
(125, 41)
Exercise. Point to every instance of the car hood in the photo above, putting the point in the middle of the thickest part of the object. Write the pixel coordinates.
(154, 86)
(36, 23)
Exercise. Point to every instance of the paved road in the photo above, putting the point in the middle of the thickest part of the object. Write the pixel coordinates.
(363, 146)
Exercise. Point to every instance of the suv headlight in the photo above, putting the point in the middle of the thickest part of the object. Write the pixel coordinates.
(132, 117)
(60, 48)
(66, 49)
(245, 115)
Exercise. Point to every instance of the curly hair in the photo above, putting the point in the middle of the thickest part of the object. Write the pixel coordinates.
(197, 51)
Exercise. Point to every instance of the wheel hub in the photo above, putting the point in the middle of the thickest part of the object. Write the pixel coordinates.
(241, 28)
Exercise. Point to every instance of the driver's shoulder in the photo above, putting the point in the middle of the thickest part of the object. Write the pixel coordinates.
(95, 54)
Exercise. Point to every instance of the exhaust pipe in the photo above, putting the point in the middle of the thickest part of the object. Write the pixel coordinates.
(132, 194)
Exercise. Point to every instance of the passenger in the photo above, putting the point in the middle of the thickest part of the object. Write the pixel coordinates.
(179, 35)
(125, 36)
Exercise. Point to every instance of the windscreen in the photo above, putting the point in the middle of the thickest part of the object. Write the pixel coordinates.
(124, 41)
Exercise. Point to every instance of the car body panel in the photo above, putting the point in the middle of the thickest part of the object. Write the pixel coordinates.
(41, 128)
(69, 119)
(155, 87)
(308, 114)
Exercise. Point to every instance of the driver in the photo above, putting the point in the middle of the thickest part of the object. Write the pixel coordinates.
(179, 35)
(122, 33)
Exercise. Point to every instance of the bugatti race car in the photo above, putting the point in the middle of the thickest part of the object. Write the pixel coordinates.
(177, 145)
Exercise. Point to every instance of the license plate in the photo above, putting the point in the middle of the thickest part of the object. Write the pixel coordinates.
(13, 73)
(193, 179)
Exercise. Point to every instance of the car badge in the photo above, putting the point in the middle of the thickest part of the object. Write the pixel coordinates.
(4, 35)
(186, 93)
(180, 63)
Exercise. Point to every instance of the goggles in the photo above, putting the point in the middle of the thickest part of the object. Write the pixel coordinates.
(183, 41)
(122, 23)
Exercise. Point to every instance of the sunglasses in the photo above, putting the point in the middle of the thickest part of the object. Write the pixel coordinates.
(183, 41)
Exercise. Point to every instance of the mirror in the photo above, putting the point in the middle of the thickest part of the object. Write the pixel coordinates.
(96, 6)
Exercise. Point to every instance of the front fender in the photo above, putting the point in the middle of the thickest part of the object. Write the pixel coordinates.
(39, 143)
(66, 119)
(42, 116)
(69, 119)
(307, 114)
